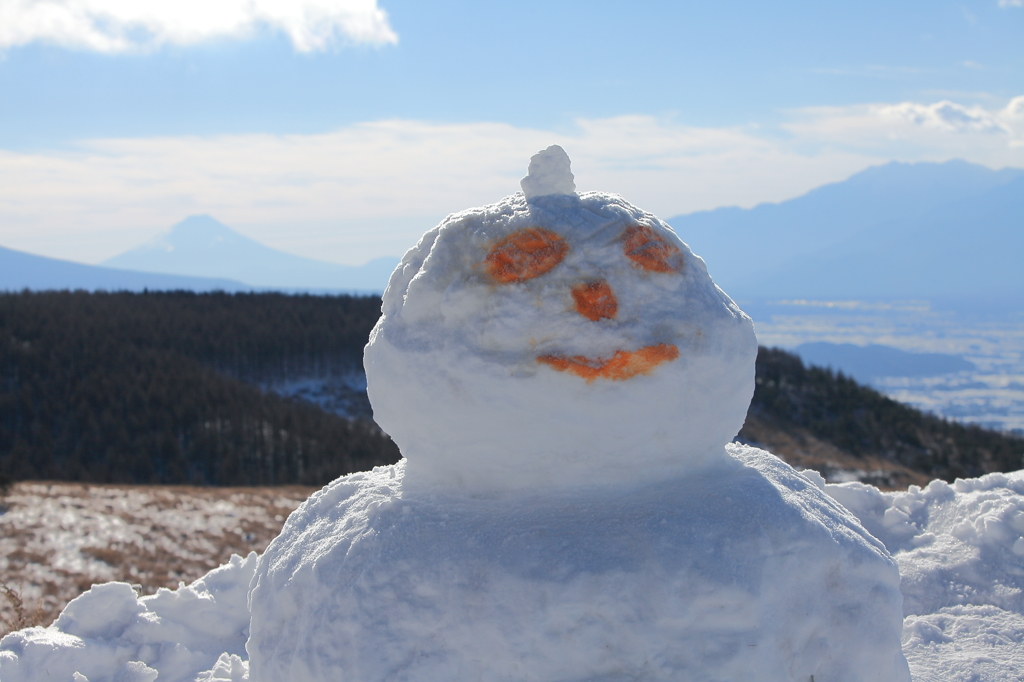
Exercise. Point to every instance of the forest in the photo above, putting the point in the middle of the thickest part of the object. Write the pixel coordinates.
(169, 387)
(162, 388)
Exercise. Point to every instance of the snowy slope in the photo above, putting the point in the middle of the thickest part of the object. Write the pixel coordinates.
(57, 539)
(201, 246)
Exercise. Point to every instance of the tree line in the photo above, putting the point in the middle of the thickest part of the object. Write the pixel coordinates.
(159, 388)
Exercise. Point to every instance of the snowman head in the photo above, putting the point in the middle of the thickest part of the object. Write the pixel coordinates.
(555, 339)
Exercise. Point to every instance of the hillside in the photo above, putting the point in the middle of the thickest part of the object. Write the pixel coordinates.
(221, 389)
(163, 388)
(818, 419)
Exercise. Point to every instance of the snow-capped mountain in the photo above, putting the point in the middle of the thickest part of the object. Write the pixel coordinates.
(201, 246)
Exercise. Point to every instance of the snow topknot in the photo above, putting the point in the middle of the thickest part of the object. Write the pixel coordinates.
(548, 174)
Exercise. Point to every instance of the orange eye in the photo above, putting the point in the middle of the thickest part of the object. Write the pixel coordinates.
(595, 300)
(649, 251)
(619, 367)
(525, 254)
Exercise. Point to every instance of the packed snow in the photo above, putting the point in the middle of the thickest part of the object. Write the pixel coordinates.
(197, 632)
(961, 556)
(564, 379)
(744, 570)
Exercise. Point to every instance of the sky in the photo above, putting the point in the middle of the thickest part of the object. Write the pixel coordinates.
(344, 129)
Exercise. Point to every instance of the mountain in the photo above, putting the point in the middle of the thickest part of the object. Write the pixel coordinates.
(201, 246)
(874, 361)
(898, 230)
(19, 270)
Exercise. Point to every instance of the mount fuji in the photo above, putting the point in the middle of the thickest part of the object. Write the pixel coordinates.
(201, 246)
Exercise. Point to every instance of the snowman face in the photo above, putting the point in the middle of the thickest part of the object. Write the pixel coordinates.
(529, 341)
(533, 252)
(588, 286)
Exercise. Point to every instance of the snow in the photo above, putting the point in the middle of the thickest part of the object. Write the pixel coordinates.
(197, 632)
(964, 616)
(744, 570)
(961, 558)
(548, 174)
(564, 379)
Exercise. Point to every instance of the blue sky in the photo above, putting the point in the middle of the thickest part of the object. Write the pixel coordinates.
(341, 129)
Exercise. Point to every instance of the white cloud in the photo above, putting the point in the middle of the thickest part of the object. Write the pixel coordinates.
(915, 131)
(370, 189)
(136, 25)
(1011, 3)
(945, 115)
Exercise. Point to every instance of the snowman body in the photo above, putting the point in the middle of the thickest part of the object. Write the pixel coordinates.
(740, 571)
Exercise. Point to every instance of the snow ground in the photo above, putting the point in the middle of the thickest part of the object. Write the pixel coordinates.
(959, 548)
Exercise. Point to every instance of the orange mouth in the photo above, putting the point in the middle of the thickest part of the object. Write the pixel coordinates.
(621, 366)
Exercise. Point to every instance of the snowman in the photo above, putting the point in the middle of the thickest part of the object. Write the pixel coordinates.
(564, 379)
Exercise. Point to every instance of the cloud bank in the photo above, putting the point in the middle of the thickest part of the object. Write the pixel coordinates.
(113, 26)
(918, 131)
(371, 189)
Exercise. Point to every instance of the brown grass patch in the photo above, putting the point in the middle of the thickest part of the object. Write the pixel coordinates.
(13, 614)
(58, 539)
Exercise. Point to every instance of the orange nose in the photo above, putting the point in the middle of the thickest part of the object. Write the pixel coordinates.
(595, 300)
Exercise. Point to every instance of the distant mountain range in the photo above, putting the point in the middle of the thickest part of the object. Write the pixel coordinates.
(19, 270)
(200, 246)
(197, 254)
(871, 362)
(952, 230)
(900, 230)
